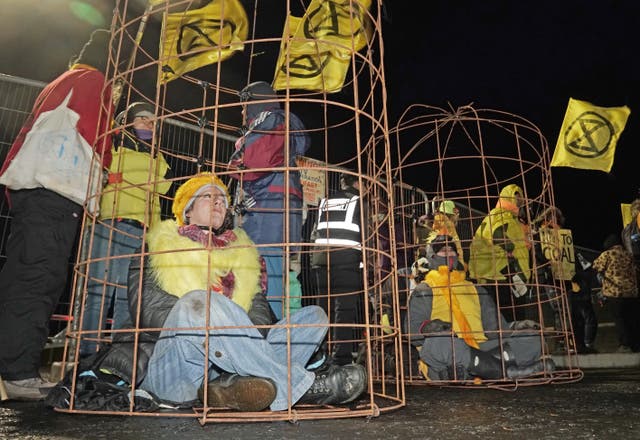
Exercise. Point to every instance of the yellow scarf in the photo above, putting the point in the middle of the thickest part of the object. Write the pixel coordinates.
(456, 300)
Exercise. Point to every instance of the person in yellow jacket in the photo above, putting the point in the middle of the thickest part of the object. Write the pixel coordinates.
(499, 252)
(460, 333)
(130, 202)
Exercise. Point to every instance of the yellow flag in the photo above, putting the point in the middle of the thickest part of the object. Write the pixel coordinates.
(336, 25)
(319, 45)
(589, 135)
(195, 38)
(626, 213)
(308, 68)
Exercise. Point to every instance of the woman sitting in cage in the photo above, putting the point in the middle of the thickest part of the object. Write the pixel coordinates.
(186, 258)
(458, 328)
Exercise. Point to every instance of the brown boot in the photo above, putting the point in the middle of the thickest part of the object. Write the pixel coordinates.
(244, 393)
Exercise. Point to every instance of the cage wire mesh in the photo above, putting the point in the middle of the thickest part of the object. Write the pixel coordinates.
(467, 156)
(198, 118)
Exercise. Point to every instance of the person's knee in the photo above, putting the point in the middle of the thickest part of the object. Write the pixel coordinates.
(437, 351)
(525, 348)
(191, 299)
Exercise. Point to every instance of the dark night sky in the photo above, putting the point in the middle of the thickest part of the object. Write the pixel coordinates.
(529, 58)
(525, 58)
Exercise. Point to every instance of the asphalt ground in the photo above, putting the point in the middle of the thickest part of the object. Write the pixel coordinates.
(604, 405)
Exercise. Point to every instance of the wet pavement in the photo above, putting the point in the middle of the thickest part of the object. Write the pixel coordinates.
(604, 404)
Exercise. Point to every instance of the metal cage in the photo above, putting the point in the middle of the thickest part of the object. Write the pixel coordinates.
(198, 116)
(467, 156)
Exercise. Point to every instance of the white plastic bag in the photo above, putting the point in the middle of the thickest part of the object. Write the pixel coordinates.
(55, 156)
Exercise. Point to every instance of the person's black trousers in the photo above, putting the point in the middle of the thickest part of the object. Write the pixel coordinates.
(43, 232)
(343, 284)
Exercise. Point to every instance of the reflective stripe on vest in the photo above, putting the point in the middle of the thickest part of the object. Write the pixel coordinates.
(339, 241)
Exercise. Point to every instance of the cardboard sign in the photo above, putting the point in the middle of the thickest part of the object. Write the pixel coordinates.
(557, 247)
(313, 179)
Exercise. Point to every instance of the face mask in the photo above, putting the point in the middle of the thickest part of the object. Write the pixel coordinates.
(143, 134)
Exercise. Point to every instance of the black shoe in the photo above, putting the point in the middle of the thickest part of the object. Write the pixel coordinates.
(539, 366)
(244, 393)
(337, 384)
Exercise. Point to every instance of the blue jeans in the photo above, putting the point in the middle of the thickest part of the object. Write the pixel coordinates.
(274, 261)
(108, 278)
(176, 367)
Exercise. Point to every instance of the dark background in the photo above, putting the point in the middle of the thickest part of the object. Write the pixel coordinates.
(525, 58)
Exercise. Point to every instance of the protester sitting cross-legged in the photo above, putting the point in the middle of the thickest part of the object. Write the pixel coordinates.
(461, 334)
(199, 259)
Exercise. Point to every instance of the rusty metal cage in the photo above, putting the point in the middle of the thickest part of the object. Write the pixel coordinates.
(348, 132)
(467, 156)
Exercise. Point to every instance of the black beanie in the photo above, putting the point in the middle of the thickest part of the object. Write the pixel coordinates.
(95, 52)
(257, 91)
(134, 109)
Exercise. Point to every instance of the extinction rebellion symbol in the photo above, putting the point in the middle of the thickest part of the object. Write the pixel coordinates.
(589, 135)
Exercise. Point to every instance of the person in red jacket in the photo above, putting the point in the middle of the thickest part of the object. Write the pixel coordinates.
(46, 215)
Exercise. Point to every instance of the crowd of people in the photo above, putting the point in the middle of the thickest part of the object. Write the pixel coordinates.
(203, 266)
(470, 301)
(221, 262)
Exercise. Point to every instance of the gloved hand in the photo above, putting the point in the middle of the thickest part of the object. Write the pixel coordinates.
(434, 326)
(599, 298)
(518, 287)
(241, 207)
(525, 324)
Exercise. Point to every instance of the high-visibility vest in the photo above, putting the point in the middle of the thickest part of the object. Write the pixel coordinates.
(339, 226)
